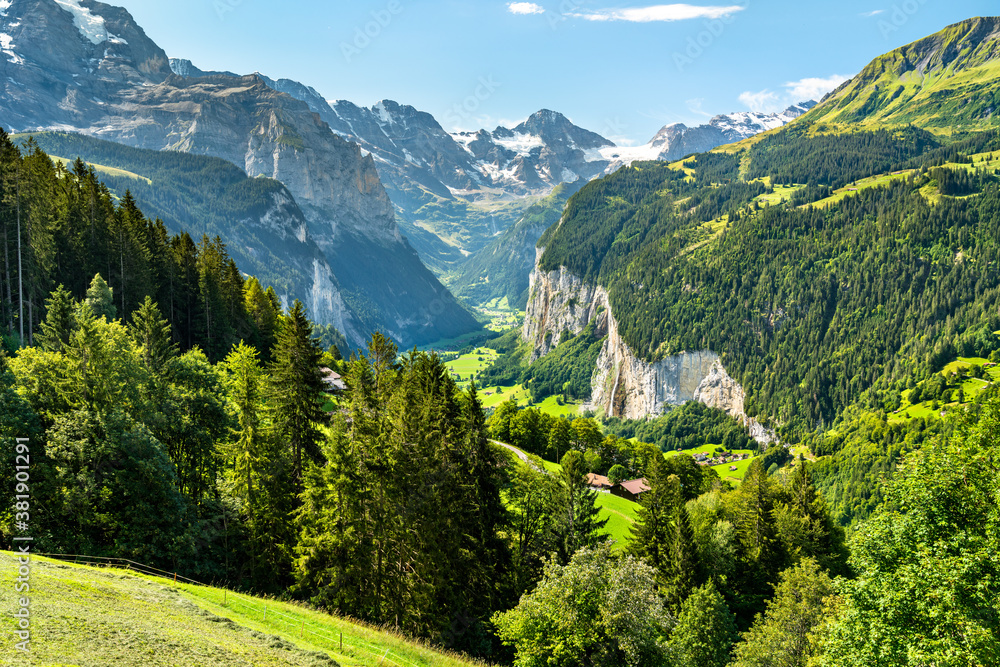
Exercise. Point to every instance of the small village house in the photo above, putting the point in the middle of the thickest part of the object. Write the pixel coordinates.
(630, 490)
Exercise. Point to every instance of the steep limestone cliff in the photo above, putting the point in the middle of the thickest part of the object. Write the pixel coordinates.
(559, 301)
(624, 385)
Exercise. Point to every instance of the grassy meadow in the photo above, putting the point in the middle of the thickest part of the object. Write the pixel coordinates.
(82, 615)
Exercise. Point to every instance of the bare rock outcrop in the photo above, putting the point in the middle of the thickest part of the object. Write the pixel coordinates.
(623, 385)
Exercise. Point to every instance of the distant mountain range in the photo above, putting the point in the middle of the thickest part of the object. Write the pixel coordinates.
(84, 66)
(372, 183)
(455, 192)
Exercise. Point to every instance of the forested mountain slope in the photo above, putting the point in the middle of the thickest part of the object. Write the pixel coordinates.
(258, 219)
(813, 301)
(944, 82)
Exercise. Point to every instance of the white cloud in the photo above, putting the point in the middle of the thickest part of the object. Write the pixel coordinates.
(676, 12)
(812, 88)
(809, 88)
(695, 106)
(764, 100)
(875, 12)
(525, 8)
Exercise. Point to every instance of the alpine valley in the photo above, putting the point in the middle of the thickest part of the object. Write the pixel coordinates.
(737, 403)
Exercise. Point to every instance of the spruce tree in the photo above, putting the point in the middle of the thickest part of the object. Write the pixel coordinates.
(59, 321)
(101, 299)
(754, 520)
(651, 532)
(804, 525)
(681, 564)
(295, 388)
(663, 535)
(263, 312)
(577, 524)
(152, 333)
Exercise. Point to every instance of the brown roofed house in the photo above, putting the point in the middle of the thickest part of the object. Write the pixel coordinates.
(598, 482)
(630, 490)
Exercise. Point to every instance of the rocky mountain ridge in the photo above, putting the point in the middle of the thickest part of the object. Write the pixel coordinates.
(445, 186)
(941, 82)
(81, 65)
(675, 141)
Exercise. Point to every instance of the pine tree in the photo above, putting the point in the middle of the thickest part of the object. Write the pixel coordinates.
(257, 463)
(705, 630)
(59, 321)
(754, 521)
(651, 532)
(263, 312)
(680, 573)
(100, 298)
(804, 525)
(295, 387)
(577, 524)
(151, 332)
(663, 535)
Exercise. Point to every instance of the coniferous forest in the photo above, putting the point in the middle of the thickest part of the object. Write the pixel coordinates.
(184, 423)
(826, 495)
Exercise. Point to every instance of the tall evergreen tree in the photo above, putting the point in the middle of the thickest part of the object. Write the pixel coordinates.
(663, 535)
(577, 524)
(804, 525)
(264, 313)
(100, 298)
(295, 388)
(152, 334)
(652, 531)
(754, 519)
(681, 567)
(260, 473)
(59, 321)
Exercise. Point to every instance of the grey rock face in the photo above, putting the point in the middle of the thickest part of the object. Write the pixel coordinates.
(85, 66)
(624, 385)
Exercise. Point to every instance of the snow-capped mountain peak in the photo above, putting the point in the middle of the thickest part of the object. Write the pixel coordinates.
(676, 140)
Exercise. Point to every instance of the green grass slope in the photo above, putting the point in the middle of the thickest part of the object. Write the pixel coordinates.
(943, 82)
(89, 616)
(620, 513)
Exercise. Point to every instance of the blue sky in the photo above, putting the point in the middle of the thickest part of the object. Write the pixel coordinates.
(618, 67)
